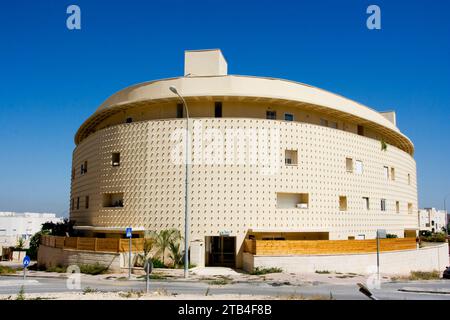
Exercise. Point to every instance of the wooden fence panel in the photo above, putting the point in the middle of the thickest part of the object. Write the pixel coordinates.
(71, 243)
(108, 244)
(137, 245)
(305, 247)
(59, 242)
(86, 244)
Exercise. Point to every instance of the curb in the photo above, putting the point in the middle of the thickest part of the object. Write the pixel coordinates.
(420, 290)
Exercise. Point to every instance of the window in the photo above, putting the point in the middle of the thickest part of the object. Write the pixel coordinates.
(129, 120)
(409, 179)
(392, 174)
(73, 173)
(410, 208)
(292, 200)
(366, 203)
(333, 125)
(342, 203)
(386, 173)
(78, 203)
(358, 167)
(290, 157)
(180, 110)
(84, 168)
(383, 204)
(113, 200)
(115, 161)
(86, 202)
(397, 206)
(324, 122)
(218, 110)
(72, 204)
(272, 115)
(349, 164)
(360, 130)
(288, 117)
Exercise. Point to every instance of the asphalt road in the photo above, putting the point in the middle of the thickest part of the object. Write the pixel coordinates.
(11, 285)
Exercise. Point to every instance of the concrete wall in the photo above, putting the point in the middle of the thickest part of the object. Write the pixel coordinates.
(48, 256)
(395, 262)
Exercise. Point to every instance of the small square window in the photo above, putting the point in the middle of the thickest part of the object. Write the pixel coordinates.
(180, 110)
(129, 120)
(358, 167)
(115, 162)
(342, 203)
(218, 109)
(86, 202)
(392, 174)
(360, 130)
(271, 115)
(290, 157)
(333, 125)
(410, 208)
(288, 117)
(366, 203)
(386, 172)
(349, 164)
(324, 122)
(383, 204)
(397, 206)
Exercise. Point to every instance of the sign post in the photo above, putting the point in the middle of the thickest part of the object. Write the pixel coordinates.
(148, 266)
(129, 235)
(25, 262)
(380, 234)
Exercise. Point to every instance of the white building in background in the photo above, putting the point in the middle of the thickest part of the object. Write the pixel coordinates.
(432, 220)
(15, 226)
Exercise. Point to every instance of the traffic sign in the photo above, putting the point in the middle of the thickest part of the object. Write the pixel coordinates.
(26, 261)
(148, 266)
(128, 233)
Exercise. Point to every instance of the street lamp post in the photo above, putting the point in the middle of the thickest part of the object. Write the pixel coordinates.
(446, 214)
(186, 187)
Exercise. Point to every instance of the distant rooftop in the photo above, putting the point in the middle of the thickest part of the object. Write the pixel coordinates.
(27, 214)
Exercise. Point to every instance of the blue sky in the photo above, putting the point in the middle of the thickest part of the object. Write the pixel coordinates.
(51, 78)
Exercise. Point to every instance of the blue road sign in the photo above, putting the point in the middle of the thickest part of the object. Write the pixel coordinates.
(129, 233)
(26, 261)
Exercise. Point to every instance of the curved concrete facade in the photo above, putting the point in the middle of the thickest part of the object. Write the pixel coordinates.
(337, 184)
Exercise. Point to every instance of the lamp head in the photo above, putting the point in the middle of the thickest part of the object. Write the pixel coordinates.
(173, 89)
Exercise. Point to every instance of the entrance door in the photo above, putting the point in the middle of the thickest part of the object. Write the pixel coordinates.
(222, 251)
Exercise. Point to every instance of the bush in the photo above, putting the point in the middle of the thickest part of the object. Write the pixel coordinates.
(93, 269)
(7, 270)
(391, 236)
(435, 237)
(422, 275)
(158, 263)
(260, 271)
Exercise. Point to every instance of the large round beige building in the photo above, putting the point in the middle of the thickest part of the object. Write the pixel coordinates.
(270, 159)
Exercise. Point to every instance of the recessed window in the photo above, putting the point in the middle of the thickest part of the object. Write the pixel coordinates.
(358, 167)
(78, 203)
(324, 122)
(272, 115)
(180, 110)
(218, 109)
(342, 203)
(86, 202)
(84, 167)
(410, 208)
(115, 161)
(113, 200)
(292, 200)
(72, 204)
(397, 206)
(73, 173)
(290, 157)
(360, 130)
(129, 120)
(392, 174)
(386, 172)
(349, 164)
(366, 203)
(333, 125)
(288, 117)
(409, 179)
(383, 204)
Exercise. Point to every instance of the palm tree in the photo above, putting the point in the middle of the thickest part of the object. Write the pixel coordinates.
(174, 253)
(164, 238)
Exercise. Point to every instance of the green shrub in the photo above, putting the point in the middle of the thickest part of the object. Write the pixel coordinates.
(260, 271)
(93, 269)
(434, 237)
(158, 263)
(58, 268)
(422, 275)
(391, 236)
(7, 270)
(323, 271)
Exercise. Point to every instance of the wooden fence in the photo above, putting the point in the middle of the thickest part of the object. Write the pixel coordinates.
(308, 247)
(93, 244)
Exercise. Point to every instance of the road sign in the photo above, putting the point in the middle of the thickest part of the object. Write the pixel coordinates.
(381, 233)
(129, 233)
(26, 261)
